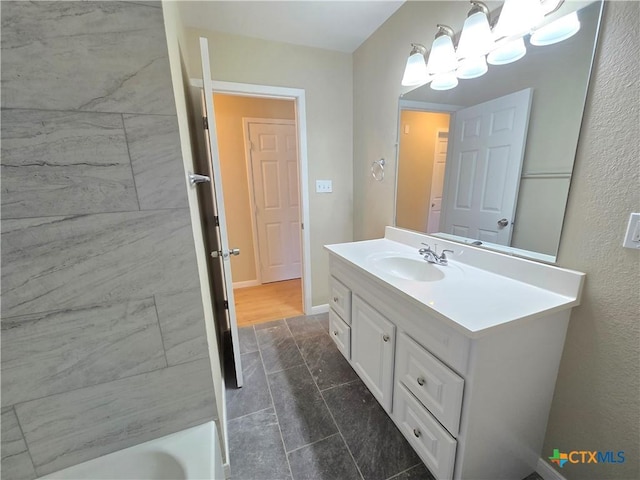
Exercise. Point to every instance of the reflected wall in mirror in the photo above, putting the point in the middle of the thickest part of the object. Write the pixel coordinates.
(458, 148)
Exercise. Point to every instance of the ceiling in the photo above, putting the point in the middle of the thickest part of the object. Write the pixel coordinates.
(333, 25)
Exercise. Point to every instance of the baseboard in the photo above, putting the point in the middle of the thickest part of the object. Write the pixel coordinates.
(247, 283)
(546, 471)
(319, 309)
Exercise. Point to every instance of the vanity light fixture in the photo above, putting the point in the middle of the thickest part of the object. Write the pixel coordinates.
(472, 67)
(509, 51)
(415, 73)
(556, 31)
(480, 45)
(442, 58)
(444, 81)
(476, 38)
(518, 18)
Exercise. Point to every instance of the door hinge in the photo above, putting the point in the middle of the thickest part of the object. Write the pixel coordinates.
(301, 226)
(216, 219)
(205, 123)
(226, 305)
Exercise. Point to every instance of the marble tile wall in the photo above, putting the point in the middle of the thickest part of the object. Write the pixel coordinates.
(103, 335)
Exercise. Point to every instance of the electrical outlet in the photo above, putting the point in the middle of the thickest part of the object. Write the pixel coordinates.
(632, 237)
(324, 186)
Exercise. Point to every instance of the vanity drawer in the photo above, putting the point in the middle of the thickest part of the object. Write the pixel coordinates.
(434, 384)
(432, 442)
(340, 332)
(340, 299)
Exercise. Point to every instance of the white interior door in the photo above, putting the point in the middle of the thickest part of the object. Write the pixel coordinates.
(483, 171)
(274, 166)
(221, 257)
(437, 181)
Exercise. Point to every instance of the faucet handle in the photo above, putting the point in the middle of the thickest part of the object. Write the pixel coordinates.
(422, 251)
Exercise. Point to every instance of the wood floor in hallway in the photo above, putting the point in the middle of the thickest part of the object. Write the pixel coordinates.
(271, 301)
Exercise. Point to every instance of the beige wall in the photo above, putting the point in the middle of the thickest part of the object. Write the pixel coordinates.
(597, 399)
(596, 405)
(326, 77)
(418, 132)
(230, 110)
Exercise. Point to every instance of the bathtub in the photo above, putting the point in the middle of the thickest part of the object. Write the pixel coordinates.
(187, 455)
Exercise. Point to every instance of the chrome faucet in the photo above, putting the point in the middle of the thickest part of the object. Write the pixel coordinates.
(431, 256)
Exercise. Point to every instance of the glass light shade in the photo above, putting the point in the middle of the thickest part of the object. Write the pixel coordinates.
(472, 67)
(476, 38)
(444, 81)
(556, 31)
(508, 52)
(518, 17)
(442, 57)
(415, 73)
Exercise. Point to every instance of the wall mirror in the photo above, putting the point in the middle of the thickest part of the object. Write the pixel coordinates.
(449, 188)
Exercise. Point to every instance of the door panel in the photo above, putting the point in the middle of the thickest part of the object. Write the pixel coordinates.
(484, 168)
(216, 232)
(274, 166)
(437, 181)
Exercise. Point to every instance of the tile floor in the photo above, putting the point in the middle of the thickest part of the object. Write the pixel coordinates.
(303, 413)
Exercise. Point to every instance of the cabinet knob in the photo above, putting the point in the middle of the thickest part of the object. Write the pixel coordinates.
(335, 299)
(417, 432)
(421, 381)
(385, 337)
(335, 332)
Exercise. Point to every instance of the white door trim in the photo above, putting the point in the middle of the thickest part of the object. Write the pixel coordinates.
(298, 95)
(252, 200)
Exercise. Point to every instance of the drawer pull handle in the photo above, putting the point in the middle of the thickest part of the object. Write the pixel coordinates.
(417, 432)
(335, 299)
(421, 381)
(385, 337)
(335, 332)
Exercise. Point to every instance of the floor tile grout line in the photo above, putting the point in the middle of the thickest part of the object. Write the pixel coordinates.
(312, 443)
(275, 412)
(251, 413)
(328, 409)
(340, 385)
(408, 469)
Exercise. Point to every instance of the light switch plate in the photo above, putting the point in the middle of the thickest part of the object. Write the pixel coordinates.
(324, 186)
(632, 237)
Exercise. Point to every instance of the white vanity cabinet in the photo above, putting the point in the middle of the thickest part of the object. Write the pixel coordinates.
(466, 368)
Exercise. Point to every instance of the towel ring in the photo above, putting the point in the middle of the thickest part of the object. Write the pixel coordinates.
(377, 169)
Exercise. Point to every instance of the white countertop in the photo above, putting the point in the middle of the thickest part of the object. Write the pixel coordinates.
(472, 299)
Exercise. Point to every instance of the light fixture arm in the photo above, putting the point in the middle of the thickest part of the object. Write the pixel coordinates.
(444, 30)
(417, 48)
(478, 7)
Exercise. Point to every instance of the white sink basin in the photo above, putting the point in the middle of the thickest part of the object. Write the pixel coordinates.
(407, 268)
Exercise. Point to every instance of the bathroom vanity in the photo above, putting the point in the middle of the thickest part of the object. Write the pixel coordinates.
(463, 357)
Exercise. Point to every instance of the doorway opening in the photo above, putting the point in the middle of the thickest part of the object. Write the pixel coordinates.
(260, 172)
(422, 156)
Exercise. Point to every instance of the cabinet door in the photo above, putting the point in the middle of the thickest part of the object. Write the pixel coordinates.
(372, 350)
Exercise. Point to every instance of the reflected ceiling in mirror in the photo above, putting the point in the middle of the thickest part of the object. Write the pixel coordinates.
(451, 184)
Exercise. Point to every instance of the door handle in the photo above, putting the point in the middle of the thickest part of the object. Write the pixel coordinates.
(225, 253)
(503, 222)
(197, 178)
